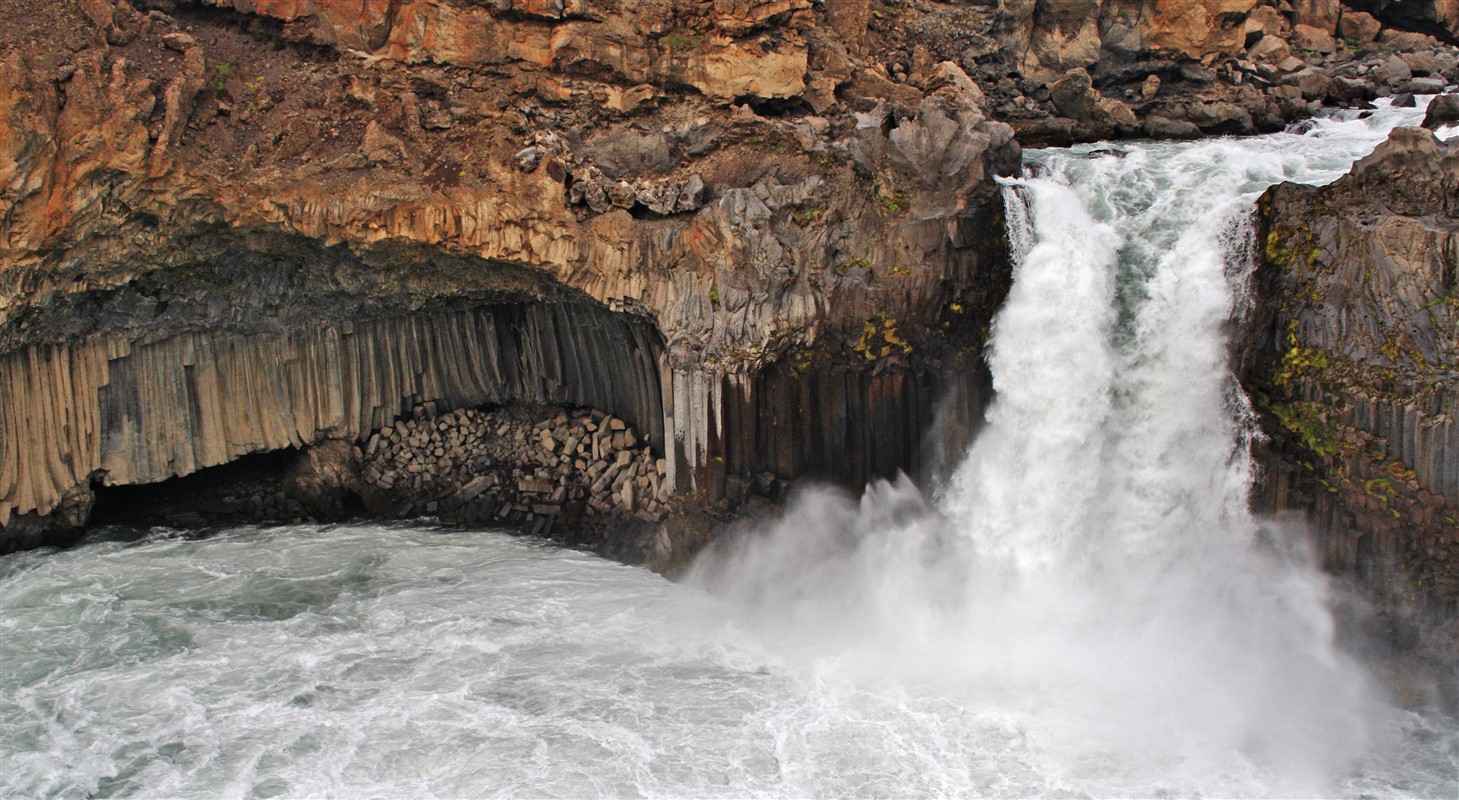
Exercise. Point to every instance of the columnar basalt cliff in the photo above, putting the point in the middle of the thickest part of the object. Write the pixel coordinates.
(1355, 367)
(226, 235)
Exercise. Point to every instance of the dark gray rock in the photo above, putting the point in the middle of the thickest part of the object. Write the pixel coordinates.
(1443, 110)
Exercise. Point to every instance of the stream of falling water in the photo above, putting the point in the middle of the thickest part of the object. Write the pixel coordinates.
(1087, 608)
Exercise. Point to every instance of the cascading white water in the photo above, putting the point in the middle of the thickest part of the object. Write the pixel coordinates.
(1086, 609)
(1093, 567)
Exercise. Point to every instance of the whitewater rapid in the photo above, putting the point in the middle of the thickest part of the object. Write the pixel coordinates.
(1086, 608)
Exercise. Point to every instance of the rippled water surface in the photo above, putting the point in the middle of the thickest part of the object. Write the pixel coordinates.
(405, 661)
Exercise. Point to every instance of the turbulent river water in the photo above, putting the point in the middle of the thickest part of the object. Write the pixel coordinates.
(1085, 608)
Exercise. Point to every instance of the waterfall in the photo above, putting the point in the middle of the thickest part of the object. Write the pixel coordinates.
(1086, 608)
(1053, 371)
(1092, 568)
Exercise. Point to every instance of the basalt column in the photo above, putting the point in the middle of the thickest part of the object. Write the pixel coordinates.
(119, 411)
(1353, 364)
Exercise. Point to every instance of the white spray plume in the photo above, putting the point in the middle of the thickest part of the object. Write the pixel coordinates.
(1092, 569)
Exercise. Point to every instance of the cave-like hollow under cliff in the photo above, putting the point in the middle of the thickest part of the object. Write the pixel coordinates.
(257, 349)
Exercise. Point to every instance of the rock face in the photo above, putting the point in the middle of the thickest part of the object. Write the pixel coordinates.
(226, 231)
(1075, 96)
(580, 476)
(120, 411)
(1049, 38)
(1435, 17)
(1354, 367)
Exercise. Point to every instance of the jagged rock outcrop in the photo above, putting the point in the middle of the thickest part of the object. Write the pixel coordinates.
(1075, 97)
(1434, 17)
(1355, 366)
(187, 196)
(1048, 38)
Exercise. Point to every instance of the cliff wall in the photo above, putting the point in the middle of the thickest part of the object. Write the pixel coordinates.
(119, 411)
(231, 231)
(1354, 367)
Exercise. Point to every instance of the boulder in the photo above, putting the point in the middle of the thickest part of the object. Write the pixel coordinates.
(1314, 39)
(324, 478)
(1150, 88)
(1158, 127)
(1392, 71)
(1264, 21)
(1446, 64)
(1074, 96)
(1426, 85)
(1443, 110)
(1421, 62)
(1221, 118)
(1358, 25)
(1352, 91)
(1319, 14)
(1314, 85)
(1270, 50)
(1406, 41)
(179, 41)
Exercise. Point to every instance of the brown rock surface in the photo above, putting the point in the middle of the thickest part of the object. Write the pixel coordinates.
(1050, 38)
(1358, 26)
(1075, 96)
(1443, 110)
(173, 223)
(1314, 39)
(772, 188)
(1319, 14)
(1434, 17)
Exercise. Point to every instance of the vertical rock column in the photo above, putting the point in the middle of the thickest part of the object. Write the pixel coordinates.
(139, 412)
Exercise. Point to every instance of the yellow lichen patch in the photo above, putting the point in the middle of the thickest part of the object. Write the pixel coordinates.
(879, 338)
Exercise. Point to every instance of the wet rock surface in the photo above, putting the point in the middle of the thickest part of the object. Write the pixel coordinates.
(1354, 367)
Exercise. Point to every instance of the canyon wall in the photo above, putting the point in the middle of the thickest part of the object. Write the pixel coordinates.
(1354, 366)
(116, 411)
(231, 231)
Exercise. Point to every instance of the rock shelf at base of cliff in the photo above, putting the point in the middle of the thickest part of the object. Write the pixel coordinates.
(579, 476)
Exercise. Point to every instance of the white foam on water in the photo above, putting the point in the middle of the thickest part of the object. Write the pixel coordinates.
(1092, 567)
